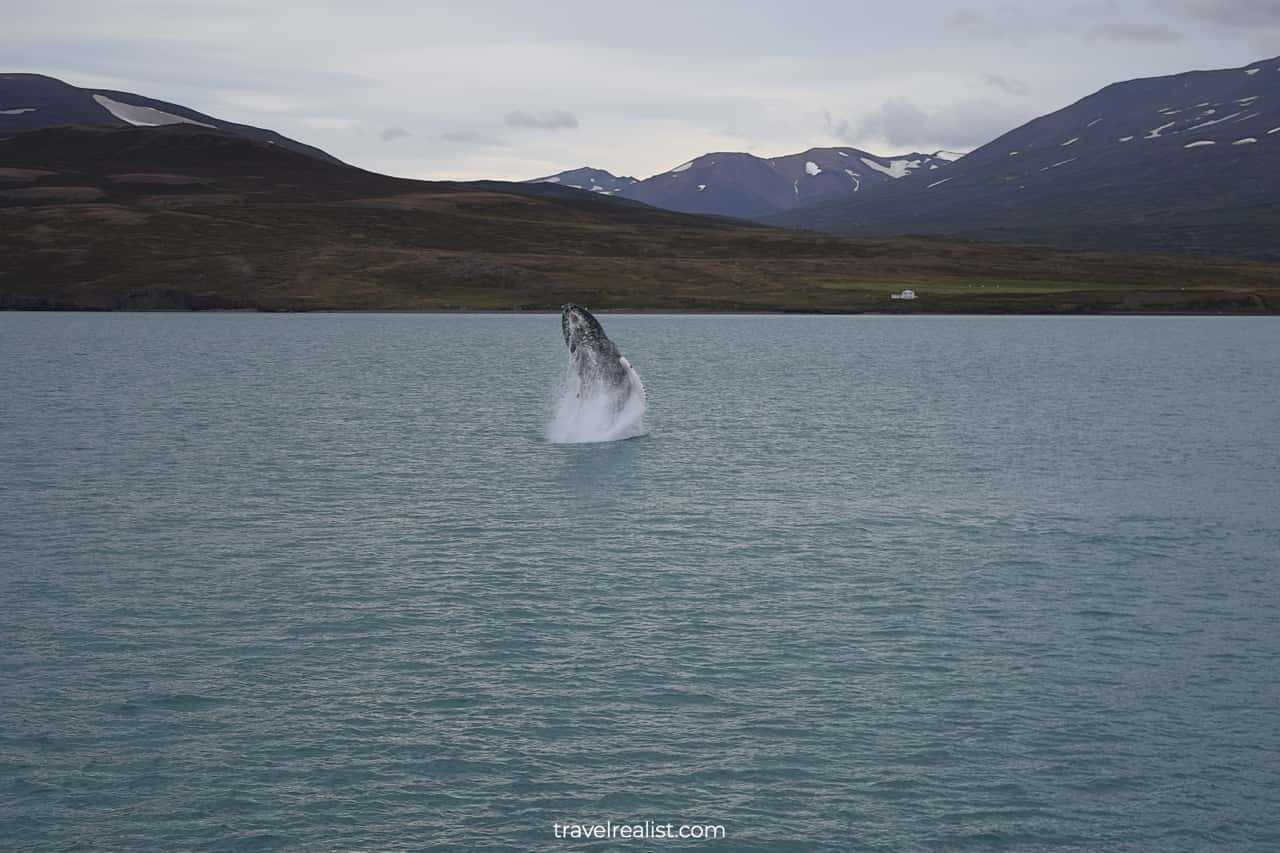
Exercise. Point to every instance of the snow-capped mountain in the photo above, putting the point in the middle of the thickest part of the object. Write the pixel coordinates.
(587, 178)
(1188, 162)
(747, 186)
(35, 102)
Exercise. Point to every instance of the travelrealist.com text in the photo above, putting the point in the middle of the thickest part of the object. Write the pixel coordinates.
(648, 830)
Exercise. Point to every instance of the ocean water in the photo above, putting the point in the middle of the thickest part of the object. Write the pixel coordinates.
(320, 582)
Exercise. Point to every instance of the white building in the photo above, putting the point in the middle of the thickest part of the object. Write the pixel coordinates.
(906, 294)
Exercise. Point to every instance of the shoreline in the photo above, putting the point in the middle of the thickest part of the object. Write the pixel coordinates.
(647, 312)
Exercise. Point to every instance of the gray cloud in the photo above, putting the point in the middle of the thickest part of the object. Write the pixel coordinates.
(550, 120)
(393, 133)
(471, 137)
(172, 64)
(899, 121)
(904, 124)
(1008, 85)
(1238, 13)
(1129, 32)
(1097, 9)
(1005, 23)
(964, 19)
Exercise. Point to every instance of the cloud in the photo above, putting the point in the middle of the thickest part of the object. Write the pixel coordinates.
(903, 124)
(550, 120)
(654, 94)
(964, 19)
(1238, 13)
(1009, 23)
(471, 137)
(1127, 32)
(899, 121)
(330, 123)
(185, 71)
(1008, 85)
(392, 133)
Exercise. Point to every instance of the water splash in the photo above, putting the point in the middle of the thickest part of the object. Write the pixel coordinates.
(593, 411)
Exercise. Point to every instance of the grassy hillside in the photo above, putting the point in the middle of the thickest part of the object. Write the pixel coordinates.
(181, 217)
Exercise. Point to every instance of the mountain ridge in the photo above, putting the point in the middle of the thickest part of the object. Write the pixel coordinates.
(188, 217)
(744, 185)
(1188, 162)
(38, 101)
(590, 179)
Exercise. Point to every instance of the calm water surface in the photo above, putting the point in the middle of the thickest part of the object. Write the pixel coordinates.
(311, 582)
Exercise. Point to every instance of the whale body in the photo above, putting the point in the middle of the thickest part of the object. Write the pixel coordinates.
(600, 368)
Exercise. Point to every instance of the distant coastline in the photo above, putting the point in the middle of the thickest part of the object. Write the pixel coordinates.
(181, 218)
(1267, 311)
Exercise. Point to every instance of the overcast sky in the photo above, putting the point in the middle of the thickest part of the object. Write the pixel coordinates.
(474, 89)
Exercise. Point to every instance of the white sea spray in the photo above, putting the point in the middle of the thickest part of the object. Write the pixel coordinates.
(585, 412)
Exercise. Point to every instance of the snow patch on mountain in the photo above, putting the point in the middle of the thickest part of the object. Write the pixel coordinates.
(895, 169)
(598, 181)
(1060, 163)
(1214, 121)
(1198, 143)
(812, 168)
(17, 112)
(143, 116)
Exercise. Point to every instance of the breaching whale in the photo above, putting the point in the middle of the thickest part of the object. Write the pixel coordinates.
(600, 368)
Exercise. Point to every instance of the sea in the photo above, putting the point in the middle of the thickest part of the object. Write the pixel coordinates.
(328, 582)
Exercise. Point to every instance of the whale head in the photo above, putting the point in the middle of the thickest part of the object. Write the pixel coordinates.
(579, 327)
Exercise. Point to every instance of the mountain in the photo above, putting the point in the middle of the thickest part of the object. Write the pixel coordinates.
(592, 180)
(1184, 163)
(186, 216)
(34, 102)
(747, 187)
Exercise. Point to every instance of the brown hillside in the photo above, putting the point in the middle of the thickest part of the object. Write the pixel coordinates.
(183, 217)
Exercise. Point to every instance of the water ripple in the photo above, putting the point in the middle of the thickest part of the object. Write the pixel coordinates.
(320, 583)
